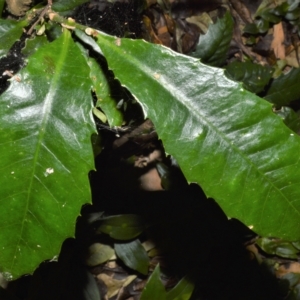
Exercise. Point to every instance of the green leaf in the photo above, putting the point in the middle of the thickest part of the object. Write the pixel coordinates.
(282, 9)
(287, 250)
(10, 32)
(278, 247)
(31, 45)
(213, 46)
(262, 25)
(182, 291)
(122, 227)
(268, 15)
(253, 76)
(87, 40)
(293, 4)
(101, 87)
(292, 278)
(46, 154)
(133, 255)
(284, 88)
(98, 254)
(290, 118)
(290, 285)
(53, 30)
(293, 15)
(102, 90)
(296, 245)
(2, 3)
(154, 288)
(259, 26)
(223, 137)
(251, 28)
(66, 5)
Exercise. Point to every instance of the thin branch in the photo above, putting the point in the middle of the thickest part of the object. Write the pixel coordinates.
(42, 14)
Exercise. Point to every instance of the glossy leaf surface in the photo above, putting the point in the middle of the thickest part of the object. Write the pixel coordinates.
(133, 255)
(10, 32)
(224, 138)
(46, 154)
(213, 46)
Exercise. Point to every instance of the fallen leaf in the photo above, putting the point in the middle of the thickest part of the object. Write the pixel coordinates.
(289, 267)
(278, 39)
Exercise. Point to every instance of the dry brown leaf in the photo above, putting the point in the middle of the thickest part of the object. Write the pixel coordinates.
(163, 31)
(290, 267)
(151, 2)
(151, 35)
(277, 43)
(18, 7)
(113, 285)
(202, 21)
(151, 181)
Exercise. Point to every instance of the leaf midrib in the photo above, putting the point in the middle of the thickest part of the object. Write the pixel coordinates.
(48, 102)
(147, 72)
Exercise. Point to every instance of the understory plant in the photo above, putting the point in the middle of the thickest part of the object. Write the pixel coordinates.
(223, 136)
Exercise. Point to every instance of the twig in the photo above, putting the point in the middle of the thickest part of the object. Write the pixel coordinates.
(42, 14)
(144, 131)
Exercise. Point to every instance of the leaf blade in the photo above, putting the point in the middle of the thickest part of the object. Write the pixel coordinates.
(182, 291)
(154, 288)
(253, 76)
(10, 32)
(228, 135)
(213, 46)
(133, 255)
(122, 227)
(102, 91)
(284, 89)
(65, 5)
(46, 155)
